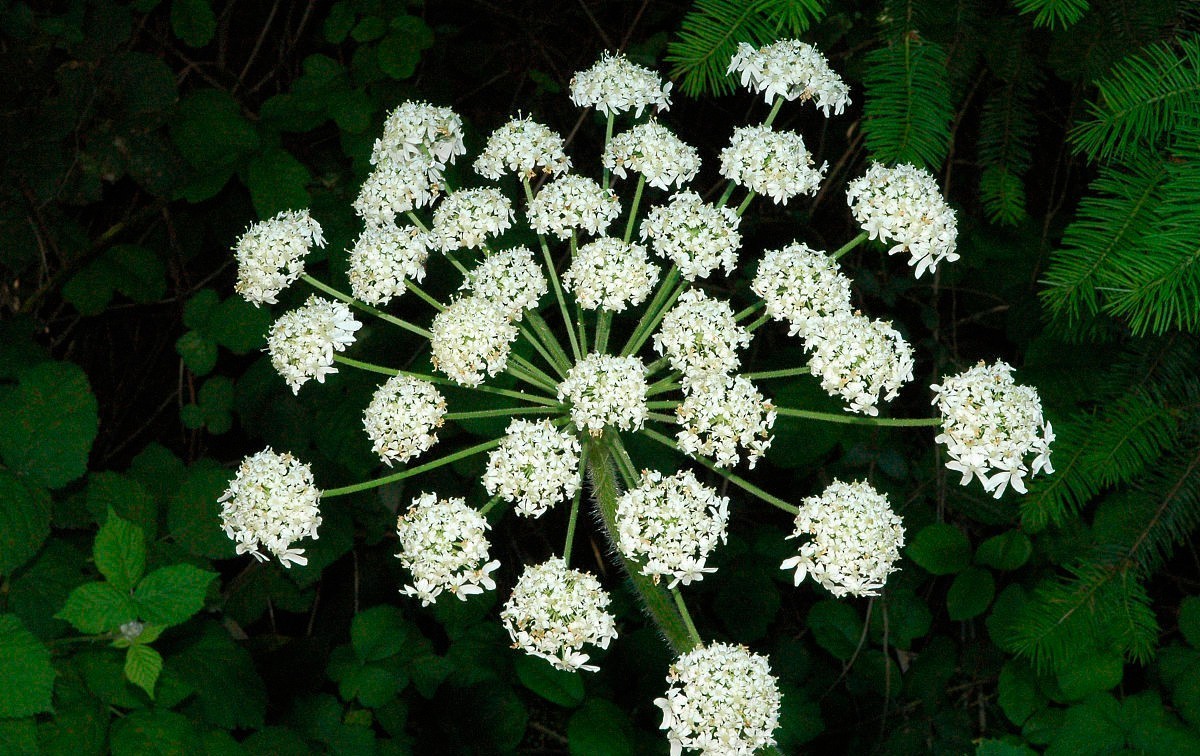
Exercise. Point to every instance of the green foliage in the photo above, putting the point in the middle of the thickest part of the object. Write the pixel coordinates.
(51, 421)
(908, 106)
(26, 670)
(941, 549)
(1053, 13)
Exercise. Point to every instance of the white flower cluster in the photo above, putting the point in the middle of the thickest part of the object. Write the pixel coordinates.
(468, 217)
(774, 163)
(470, 337)
(536, 466)
(801, 285)
(271, 503)
(854, 539)
(382, 258)
(606, 390)
(615, 85)
(270, 255)
(721, 414)
(904, 205)
(395, 188)
(511, 279)
(671, 524)
(442, 543)
(791, 69)
(524, 147)
(554, 610)
(302, 341)
(700, 336)
(653, 151)
(695, 235)
(722, 701)
(571, 203)
(857, 359)
(403, 417)
(990, 424)
(611, 274)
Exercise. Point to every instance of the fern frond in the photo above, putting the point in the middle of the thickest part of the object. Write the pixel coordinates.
(1145, 96)
(1166, 510)
(1056, 498)
(907, 102)
(1002, 193)
(1053, 13)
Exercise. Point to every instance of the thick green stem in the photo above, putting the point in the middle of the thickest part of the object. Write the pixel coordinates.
(750, 310)
(503, 412)
(536, 342)
(373, 368)
(633, 208)
(547, 336)
(774, 111)
(831, 417)
(608, 130)
(664, 290)
(518, 371)
(849, 245)
(687, 617)
(729, 187)
(491, 504)
(603, 325)
(575, 507)
(745, 204)
(366, 307)
(446, 460)
(424, 295)
(787, 373)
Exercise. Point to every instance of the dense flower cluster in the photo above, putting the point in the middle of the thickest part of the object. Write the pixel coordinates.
(990, 424)
(722, 701)
(615, 85)
(854, 539)
(403, 417)
(606, 390)
(468, 217)
(471, 337)
(393, 189)
(270, 255)
(858, 359)
(701, 336)
(801, 285)
(271, 503)
(611, 274)
(535, 467)
(554, 611)
(791, 69)
(382, 258)
(302, 341)
(419, 131)
(511, 279)
(572, 203)
(671, 525)
(774, 163)
(722, 414)
(695, 235)
(904, 205)
(653, 151)
(442, 543)
(523, 147)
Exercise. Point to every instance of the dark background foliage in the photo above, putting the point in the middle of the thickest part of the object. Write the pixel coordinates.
(141, 138)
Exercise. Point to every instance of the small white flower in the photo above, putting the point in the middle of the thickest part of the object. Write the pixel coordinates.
(858, 359)
(571, 203)
(700, 336)
(853, 539)
(270, 255)
(470, 337)
(536, 466)
(302, 341)
(722, 701)
(615, 85)
(443, 544)
(695, 235)
(382, 258)
(720, 415)
(396, 188)
(611, 274)
(468, 217)
(403, 417)
(523, 147)
(671, 525)
(774, 163)
(904, 205)
(653, 151)
(801, 285)
(606, 390)
(792, 70)
(271, 503)
(990, 425)
(554, 611)
(417, 129)
(511, 279)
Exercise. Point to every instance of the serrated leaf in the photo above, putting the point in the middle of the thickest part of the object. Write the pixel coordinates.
(113, 492)
(153, 731)
(25, 669)
(398, 55)
(193, 21)
(198, 312)
(836, 627)
(338, 23)
(97, 608)
(941, 549)
(277, 181)
(970, 594)
(171, 595)
(555, 685)
(142, 667)
(1007, 551)
(120, 552)
(24, 521)
(51, 420)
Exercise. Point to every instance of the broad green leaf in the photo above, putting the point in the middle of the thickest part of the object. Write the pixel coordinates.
(153, 732)
(238, 325)
(600, 728)
(43, 586)
(142, 667)
(555, 685)
(1189, 620)
(277, 181)
(1092, 727)
(24, 521)
(836, 627)
(1002, 748)
(199, 352)
(80, 722)
(373, 685)
(120, 552)
(199, 310)
(400, 51)
(970, 593)
(908, 617)
(193, 21)
(941, 549)
(25, 669)
(1018, 693)
(211, 132)
(193, 514)
(229, 692)
(379, 632)
(1007, 551)
(748, 600)
(1091, 672)
(339, 22)
(18, 736)
(114, 492)
(98, 608)
(51, 420)
(170, 595)
(158, 470)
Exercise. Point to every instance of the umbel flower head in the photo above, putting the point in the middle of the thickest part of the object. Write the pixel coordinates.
(769, 162)
(442, 543)
(469, 217)
(302, 342)
(695, 235)
(700, 336)
(605, 390)
(610, 273)
(403, 417)
(722, 701)
(903, 204)
(990, 425)
(471, 337)
(615, 85)
(858, 359)
(653, 151)
(511, 279)
(270, 504)
(572, 203)
(791, 69)
(270, 255)
(417, 130)
(721, 415)
(535, 467)
(396, 188)
(854, 539)
(382, 258)
(524, 147)
(554, 611)
(801, 285)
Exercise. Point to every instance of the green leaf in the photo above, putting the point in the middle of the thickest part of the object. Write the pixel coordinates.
(193, 21)
(153, 732)
(142, 667)
(1091, 673)
(25, 669)
(238, 325)
(836, 627)
(1007, 551)
(277, 181)
(199, 352)
(97, 608)
(19, 736)
(114, 492)
(379, 632)
(120, 552)
(941, 549)
(229, 692)
(970, 593)
(170, 595)
(555, 685)
(400, 51)
(211, 132)
(1019, 696)
(339, 22)
(600, 728)
(193, 514)
(908, 107)
(1092, 727)
(24, 521)
(1189, 620)
(51, 420)
(1002, 748)
(1053, 13)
